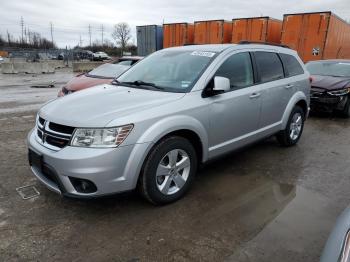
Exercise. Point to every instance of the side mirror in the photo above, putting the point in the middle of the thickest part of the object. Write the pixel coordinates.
(221, 84)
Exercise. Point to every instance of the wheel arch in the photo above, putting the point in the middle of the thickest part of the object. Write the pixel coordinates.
(299, 99)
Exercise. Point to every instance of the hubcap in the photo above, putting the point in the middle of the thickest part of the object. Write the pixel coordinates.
(296, 126)
(173, 171)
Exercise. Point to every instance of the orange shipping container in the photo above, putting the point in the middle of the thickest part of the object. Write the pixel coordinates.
(4, 53)
(317, 36)
(258, 29)
(177, 34)
(212, 32)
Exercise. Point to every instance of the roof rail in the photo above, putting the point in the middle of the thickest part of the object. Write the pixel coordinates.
(244, 42)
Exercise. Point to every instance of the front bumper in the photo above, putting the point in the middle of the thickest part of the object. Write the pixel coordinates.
(327, 103)
(111, 170)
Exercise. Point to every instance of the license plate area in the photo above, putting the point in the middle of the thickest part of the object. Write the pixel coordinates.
(35, 160)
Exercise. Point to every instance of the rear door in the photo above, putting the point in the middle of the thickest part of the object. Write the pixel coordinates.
(275, 88)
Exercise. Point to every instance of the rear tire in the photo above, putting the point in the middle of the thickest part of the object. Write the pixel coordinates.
(294, 129)
(168, 171)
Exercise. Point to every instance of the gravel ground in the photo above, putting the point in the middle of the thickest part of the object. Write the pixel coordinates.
(263, 203)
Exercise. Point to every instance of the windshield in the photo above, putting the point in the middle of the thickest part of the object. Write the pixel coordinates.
(108, 71)
(170, 70)
(329, 68)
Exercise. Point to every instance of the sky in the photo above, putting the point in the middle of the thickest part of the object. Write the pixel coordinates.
(71, 19)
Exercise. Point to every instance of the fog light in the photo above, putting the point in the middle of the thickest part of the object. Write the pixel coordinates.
(83, 185)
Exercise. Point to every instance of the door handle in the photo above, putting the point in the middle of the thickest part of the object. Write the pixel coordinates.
(254, 95)
(289, 86)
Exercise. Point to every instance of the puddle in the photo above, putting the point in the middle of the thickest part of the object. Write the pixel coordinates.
(300, 229)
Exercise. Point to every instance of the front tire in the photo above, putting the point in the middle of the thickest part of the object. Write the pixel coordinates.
(295, 126)
(168, 171)
(346, 111)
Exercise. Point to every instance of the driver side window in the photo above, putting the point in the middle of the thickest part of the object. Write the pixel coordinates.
(237, 68)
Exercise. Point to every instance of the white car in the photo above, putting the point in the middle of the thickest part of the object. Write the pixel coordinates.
(100, 56)
(1, 59)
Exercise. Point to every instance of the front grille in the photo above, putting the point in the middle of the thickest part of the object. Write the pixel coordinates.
(52, 135)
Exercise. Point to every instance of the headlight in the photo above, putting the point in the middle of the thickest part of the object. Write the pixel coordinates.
(66, 91)
(340, 92)
(100, 137)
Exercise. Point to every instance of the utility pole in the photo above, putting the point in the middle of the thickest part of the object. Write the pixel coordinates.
(90, 34)
(80, 41)
(22, 27)
(8, 37)
(102, 33)
(51, 30)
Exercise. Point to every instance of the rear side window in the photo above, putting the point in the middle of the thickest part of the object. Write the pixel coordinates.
(269, 66)
(291, 65)
(237, 68)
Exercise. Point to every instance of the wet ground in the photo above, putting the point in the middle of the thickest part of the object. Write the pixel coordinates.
(264, 203)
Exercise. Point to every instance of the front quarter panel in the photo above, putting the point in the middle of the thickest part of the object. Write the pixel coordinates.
(174, 123)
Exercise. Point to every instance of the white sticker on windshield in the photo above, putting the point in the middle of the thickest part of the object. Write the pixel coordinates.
(185, 83)
(201, 53)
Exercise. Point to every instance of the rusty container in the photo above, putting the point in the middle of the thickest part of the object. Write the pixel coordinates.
(4, 54)
(256, 29)
(316, 36)
(212, 32)
(177, 34)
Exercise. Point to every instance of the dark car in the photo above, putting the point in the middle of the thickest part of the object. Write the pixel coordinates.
(103, 74)
(330, 86)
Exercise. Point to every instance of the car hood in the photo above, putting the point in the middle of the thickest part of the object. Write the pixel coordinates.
(82, 81)
(330, 82)
(97, 106)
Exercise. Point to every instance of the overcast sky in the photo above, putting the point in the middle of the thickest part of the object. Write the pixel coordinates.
(71, 18)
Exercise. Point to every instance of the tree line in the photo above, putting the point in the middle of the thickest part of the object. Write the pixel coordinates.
(31, 39)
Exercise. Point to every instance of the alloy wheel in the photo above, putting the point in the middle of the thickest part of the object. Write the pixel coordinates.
(296, 126)
(173, 171)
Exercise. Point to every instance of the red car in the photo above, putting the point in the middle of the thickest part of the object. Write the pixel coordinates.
(103, 74)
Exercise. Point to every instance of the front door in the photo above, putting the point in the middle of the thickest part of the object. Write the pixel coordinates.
(235, 114)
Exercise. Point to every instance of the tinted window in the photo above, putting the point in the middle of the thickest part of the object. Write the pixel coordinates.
(237, 68)
(292, 65)
(269, 65)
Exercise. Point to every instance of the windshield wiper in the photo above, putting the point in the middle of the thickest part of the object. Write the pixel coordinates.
(142, 83)
(115, 82)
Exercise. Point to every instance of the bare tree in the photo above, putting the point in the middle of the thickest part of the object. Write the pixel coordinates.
(121, 34)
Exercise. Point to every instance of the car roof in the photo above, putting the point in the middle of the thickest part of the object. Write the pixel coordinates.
(222, 47)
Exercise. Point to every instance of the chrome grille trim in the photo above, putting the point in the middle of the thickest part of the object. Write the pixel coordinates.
(50, 138)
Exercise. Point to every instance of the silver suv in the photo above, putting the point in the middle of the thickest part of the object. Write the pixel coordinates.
(161, 119)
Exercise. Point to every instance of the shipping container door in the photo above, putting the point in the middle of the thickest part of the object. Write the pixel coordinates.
(306, 34)
(258, 30)
(180, 34)
(166, 36)
(291, 31)
(314, 36)
(199, 33)
(239, 30)
(216, 32)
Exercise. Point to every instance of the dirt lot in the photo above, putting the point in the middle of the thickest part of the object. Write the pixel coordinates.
(264, 203)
